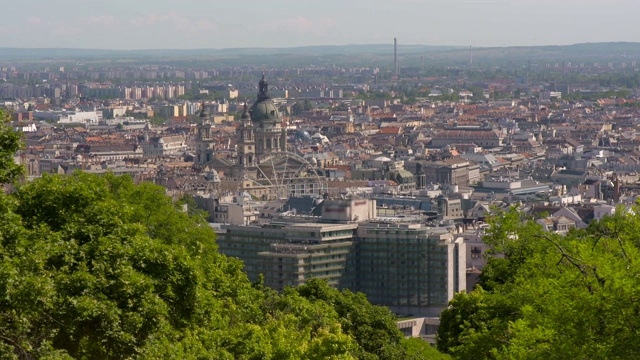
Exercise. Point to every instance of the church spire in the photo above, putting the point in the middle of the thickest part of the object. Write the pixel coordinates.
(203, 111)
(245, 112)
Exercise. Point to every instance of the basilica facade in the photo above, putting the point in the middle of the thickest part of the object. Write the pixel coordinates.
(263, 166)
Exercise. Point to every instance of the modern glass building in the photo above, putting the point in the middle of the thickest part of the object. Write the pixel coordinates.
(289, 254)
(411, 268)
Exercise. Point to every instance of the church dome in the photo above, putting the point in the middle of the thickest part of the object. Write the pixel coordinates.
(264, 110)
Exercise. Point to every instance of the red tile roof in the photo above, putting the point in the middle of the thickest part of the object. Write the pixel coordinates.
(389, 131)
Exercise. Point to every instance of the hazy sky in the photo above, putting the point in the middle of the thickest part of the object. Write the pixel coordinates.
(163, 24)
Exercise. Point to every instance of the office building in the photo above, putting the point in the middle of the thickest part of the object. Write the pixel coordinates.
(409, 267)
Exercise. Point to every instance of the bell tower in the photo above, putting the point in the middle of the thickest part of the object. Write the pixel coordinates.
(204, 140)
(245, 140)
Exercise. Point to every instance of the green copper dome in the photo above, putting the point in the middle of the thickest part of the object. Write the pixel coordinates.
(264, 109)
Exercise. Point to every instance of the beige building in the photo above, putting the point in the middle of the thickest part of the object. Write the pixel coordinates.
(454, 171)
(164, 145)
(353, 210)
(483, 138)
(242, 213)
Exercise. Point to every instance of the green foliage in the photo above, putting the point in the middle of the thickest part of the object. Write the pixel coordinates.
(111, 264)
(10, 143)
(374, 95)
(551, 296)
(624, 79)
(342, 107)
(420, 349)
(597, 95)
(308, 105)
(446, 96)
(187, 200)
(474, 324)
(157, 120)
(296, 109)
(195, 95)
(373, 327)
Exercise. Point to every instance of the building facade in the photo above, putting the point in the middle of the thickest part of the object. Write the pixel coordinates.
(270, 136)
(262, 166)
(411, 268)
(288, 254)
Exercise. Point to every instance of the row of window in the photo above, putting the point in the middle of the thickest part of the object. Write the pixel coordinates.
(408, 301)
(337, 233)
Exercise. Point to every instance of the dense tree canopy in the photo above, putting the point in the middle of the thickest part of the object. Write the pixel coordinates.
(551, 296)
(10, 143)
(296, 109)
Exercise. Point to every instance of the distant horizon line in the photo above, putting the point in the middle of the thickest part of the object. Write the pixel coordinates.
(390, 44)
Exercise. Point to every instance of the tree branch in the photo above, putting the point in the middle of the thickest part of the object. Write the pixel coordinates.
(564, 255)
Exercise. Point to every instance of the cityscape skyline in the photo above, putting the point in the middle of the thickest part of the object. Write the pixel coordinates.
(121, 25)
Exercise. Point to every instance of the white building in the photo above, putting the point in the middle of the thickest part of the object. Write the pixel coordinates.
(67, 117)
